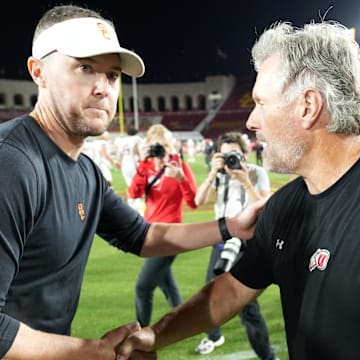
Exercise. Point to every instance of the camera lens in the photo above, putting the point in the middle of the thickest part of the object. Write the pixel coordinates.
(157, 150)
(229, 256)
(232, 160)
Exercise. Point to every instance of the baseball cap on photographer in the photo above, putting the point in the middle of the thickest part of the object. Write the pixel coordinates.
(85, 37)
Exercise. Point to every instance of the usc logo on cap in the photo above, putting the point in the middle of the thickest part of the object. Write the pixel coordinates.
(103, 30)
(81, 211)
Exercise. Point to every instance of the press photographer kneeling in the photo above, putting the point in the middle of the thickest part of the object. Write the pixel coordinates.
(234, 183)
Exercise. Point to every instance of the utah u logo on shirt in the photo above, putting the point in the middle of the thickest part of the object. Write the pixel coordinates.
(319, 259)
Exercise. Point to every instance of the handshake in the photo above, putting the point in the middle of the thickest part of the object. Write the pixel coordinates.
(132, 338)
(125, 339)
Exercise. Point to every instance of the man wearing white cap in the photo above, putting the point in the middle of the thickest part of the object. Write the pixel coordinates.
(54, 199)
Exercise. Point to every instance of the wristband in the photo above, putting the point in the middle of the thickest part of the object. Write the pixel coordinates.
(225, 235)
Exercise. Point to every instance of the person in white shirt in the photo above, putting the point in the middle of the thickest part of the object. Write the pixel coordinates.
(98, 150)
(128, 155)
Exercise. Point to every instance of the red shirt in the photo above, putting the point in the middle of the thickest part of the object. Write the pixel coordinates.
(164, 201)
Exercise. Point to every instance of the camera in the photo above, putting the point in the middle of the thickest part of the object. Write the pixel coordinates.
(230, 254)
(157, 151)
(232, 159)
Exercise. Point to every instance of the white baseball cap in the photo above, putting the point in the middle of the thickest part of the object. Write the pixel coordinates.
(85, 37)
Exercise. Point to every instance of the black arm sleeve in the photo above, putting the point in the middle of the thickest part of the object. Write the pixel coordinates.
(18, 209)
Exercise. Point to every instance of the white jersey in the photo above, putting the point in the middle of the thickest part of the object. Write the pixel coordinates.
(95, 150)
(126, 148)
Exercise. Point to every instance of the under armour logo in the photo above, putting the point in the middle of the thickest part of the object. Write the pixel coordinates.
(279, 244)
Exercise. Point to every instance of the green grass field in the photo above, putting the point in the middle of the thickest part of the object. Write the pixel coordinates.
(107, 298)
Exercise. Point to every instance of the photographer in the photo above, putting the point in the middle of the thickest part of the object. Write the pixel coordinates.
(166, 182)
(236, 184)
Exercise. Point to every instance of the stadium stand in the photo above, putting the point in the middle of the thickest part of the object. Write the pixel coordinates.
(233, 114)
(183, 121)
